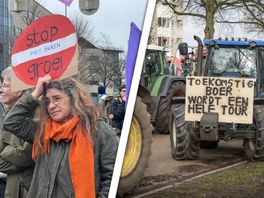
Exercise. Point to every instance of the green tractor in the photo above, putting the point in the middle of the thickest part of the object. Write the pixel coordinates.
(227, 62)
(158, 86)
(153, 104)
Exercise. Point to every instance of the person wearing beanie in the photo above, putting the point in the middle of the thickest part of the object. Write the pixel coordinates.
(101, 95)
(101, 90)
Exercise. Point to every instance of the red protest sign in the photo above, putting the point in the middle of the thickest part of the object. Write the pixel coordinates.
(46, 46)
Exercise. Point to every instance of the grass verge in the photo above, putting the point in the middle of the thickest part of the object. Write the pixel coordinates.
(246, 180)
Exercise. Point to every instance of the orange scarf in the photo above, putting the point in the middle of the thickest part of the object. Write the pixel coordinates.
(81, 156)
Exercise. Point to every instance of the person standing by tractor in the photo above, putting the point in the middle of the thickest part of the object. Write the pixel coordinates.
(118, 109)
(15, 153)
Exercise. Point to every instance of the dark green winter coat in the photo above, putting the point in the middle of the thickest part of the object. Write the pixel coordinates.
(15, 161)
(52, 173)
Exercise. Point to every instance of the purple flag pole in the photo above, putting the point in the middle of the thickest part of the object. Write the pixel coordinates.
(133, 44)
(66, 2)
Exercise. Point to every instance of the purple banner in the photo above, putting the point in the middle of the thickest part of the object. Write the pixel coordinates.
(66, 2)
(133, 44)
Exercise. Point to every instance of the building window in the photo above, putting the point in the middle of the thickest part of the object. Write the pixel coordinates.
(163, 22)
(172, 24)
(179, 23)
(161, 41)
(172, 42)
(17, 31)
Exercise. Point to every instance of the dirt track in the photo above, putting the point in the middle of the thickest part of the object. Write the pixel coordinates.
(164, 170)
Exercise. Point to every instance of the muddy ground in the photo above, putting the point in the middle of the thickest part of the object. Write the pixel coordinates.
(244, 181)
(163, 170)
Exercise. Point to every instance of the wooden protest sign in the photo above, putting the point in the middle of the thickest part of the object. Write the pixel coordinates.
(231, 98)
(46, 46)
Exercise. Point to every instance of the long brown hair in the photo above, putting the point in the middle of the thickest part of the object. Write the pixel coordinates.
(81, 103)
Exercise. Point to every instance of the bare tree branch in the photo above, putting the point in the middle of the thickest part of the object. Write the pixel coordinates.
(83, 27)
(208, 11)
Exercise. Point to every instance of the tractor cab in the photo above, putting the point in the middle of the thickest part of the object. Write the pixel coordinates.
(155, 64)
(237, 59)
(158, 86)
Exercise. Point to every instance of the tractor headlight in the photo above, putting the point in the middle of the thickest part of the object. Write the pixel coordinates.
(253, 44)
(212, 43)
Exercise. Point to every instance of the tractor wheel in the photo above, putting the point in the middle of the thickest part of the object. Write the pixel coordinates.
(208, 144)
(184, 139)
(254, 148)
(163, 113)
(138, 149)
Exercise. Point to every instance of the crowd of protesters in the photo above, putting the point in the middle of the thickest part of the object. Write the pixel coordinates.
(113, 108)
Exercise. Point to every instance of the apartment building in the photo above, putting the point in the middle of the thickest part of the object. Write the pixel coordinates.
(166, 26)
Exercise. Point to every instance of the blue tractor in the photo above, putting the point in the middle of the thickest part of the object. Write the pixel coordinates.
(225, 59)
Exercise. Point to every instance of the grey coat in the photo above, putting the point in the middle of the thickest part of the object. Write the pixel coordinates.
(52, 173)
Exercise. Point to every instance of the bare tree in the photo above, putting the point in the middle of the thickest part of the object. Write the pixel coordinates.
(108, 65)
(96, 64)
(120, 74)
(105, 41)
(88, 53)
(84, 66)
(100, 64)
(23, 18)
(84, 28)
(248, 13)
(253, 15)
(105, 68)
(208, 11)
(93, 68)
(35, 10)
(152, 39)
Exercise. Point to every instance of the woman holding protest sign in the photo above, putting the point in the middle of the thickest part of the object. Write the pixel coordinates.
(74, 150)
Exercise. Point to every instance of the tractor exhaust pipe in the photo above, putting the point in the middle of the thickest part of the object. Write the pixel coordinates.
(200, 55)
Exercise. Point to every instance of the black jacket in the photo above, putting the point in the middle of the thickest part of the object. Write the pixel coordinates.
(118, 110)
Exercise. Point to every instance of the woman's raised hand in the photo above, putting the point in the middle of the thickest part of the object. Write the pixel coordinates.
(42, 82)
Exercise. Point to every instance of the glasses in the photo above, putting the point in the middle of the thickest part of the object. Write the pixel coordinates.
(54, 100)
(123, 90)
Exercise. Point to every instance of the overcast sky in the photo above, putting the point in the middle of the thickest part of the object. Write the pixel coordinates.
(113, 17)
